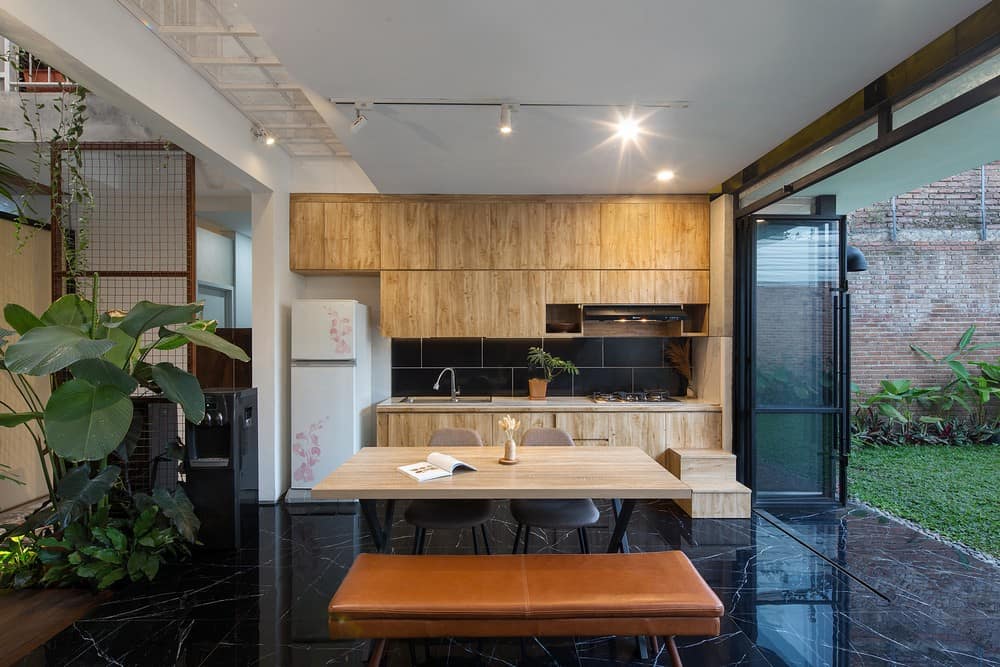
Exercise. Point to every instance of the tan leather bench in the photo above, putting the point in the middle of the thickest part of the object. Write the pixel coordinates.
(536, 595)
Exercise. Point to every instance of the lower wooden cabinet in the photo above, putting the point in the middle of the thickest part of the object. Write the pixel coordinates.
(653, 432)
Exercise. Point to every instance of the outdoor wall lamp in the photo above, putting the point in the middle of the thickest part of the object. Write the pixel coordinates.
(856, 259)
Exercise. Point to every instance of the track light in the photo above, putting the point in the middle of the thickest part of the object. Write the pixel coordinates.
(628, 129)
(664, 175)
(360, 120)
(261, 136)
(505, 127)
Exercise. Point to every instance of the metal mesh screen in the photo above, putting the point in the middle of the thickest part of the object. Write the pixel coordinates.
(136, 230)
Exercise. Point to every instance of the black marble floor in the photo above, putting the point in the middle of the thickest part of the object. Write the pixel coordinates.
(868, 591)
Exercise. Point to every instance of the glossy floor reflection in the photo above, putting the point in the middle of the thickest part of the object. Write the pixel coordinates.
(785, 604)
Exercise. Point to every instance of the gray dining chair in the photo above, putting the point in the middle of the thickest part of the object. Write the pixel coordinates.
(572, 513)
(450, 514)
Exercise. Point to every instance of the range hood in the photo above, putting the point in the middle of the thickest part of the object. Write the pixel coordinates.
(634, 313)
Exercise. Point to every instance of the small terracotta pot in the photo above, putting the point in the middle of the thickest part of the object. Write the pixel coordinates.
(536, 389)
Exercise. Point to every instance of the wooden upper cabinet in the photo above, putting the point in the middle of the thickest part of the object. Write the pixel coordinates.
(463, 235)
(628, 236)
(681, 286)
(305, 241)
(517, 235)
(408, 232)
(624, 287)
(573, 286)
(351, 236)
(682, 235)
(572, 235)
(409, 304)
(517, 304)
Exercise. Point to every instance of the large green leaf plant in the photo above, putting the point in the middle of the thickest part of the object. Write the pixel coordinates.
(91, 529)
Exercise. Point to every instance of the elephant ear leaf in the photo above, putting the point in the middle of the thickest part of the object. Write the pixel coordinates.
(84, 422)
(22, 319)
(147, 315)
(99, 372)
(181, 388)
(204, 338)
(48, 349)
(179, 510)
(69, 310)
(77, 491)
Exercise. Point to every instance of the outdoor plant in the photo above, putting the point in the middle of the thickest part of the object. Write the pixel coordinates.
(95, 361)
(550, 366)
(974, 392)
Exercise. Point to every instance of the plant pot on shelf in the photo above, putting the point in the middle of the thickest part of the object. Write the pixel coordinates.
(537, 388)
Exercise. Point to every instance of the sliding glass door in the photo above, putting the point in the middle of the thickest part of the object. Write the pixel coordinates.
(792, 354)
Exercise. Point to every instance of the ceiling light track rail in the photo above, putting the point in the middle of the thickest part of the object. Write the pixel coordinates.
(676, 104)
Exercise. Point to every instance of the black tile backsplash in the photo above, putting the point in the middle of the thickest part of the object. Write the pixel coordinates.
(452, 352)
(498, 366)
(633, 352)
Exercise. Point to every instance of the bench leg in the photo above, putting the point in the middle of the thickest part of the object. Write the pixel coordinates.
(376, 653)
(675, 657)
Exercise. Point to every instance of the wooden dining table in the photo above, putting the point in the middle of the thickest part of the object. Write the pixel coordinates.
(623, 475)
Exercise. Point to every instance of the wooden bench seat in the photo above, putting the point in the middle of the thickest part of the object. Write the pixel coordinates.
(535, 595)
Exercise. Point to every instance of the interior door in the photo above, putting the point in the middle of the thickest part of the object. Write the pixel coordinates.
(792, 399)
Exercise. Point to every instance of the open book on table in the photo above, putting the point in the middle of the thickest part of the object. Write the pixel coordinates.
(437, 465)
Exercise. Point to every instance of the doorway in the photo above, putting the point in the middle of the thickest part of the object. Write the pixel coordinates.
(792, 427)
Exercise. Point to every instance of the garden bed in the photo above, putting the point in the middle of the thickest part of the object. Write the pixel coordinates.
(951, 491)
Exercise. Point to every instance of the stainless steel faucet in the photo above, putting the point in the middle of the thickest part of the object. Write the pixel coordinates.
(454, 390)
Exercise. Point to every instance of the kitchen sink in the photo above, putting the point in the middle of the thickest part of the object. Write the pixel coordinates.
(443, 400)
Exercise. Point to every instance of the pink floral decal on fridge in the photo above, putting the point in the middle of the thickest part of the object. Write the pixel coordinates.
(306, 447)
(340, 330)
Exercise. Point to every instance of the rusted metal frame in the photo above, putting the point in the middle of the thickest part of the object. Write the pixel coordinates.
(955, 107)
(951, 52)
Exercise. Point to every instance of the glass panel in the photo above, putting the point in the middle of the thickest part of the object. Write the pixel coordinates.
(932, 99)
(797, 278)
(794, 453)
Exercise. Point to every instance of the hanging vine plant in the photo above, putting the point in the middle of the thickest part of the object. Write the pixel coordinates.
(72, 200)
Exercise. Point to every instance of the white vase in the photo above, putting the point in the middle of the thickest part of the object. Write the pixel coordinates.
(510, 449)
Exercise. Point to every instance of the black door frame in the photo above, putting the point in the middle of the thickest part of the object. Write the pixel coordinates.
(744, 362)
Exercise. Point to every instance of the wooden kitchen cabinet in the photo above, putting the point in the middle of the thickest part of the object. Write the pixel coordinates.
(593, 428)
(408, 235)
(415, 429)
(573, 287)
(409, 304)
(630, 287)
(463, 235)
(681, 286)
(517, 235)
(572, 235)
(517, 304)
(693, 430)
(645, 430)
(305, 240)
(628, 236)
(527, 419)
(682, 235)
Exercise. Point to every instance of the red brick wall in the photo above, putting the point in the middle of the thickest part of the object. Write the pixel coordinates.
(928, 285)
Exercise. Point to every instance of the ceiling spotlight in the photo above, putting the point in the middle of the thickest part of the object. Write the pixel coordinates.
(664, 175)
(360, 120)
(628, 129)
(261, 136)
(505, 127)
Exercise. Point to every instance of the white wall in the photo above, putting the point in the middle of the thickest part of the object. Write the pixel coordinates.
(215, 258)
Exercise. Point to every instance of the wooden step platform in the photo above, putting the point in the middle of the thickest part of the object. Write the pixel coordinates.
(712, 499)
(701, 464)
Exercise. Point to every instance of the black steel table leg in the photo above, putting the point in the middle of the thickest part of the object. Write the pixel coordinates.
(619, 537)
(381, 532)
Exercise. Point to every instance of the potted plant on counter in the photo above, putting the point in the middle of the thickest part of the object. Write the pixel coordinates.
(550, 366)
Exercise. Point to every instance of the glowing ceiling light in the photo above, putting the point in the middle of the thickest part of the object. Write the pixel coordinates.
(664, 175)
(505, 127)
(628, 129)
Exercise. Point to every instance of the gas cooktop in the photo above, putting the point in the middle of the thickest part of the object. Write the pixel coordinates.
(633, 397)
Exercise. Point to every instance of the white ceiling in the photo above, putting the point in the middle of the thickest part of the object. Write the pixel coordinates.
(754, 73)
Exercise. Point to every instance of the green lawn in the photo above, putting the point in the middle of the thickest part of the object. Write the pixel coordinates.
(952, 491)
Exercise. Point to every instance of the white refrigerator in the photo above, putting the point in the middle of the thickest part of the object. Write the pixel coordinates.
(331, 411)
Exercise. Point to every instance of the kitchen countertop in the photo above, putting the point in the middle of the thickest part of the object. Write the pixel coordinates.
(552, 404)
